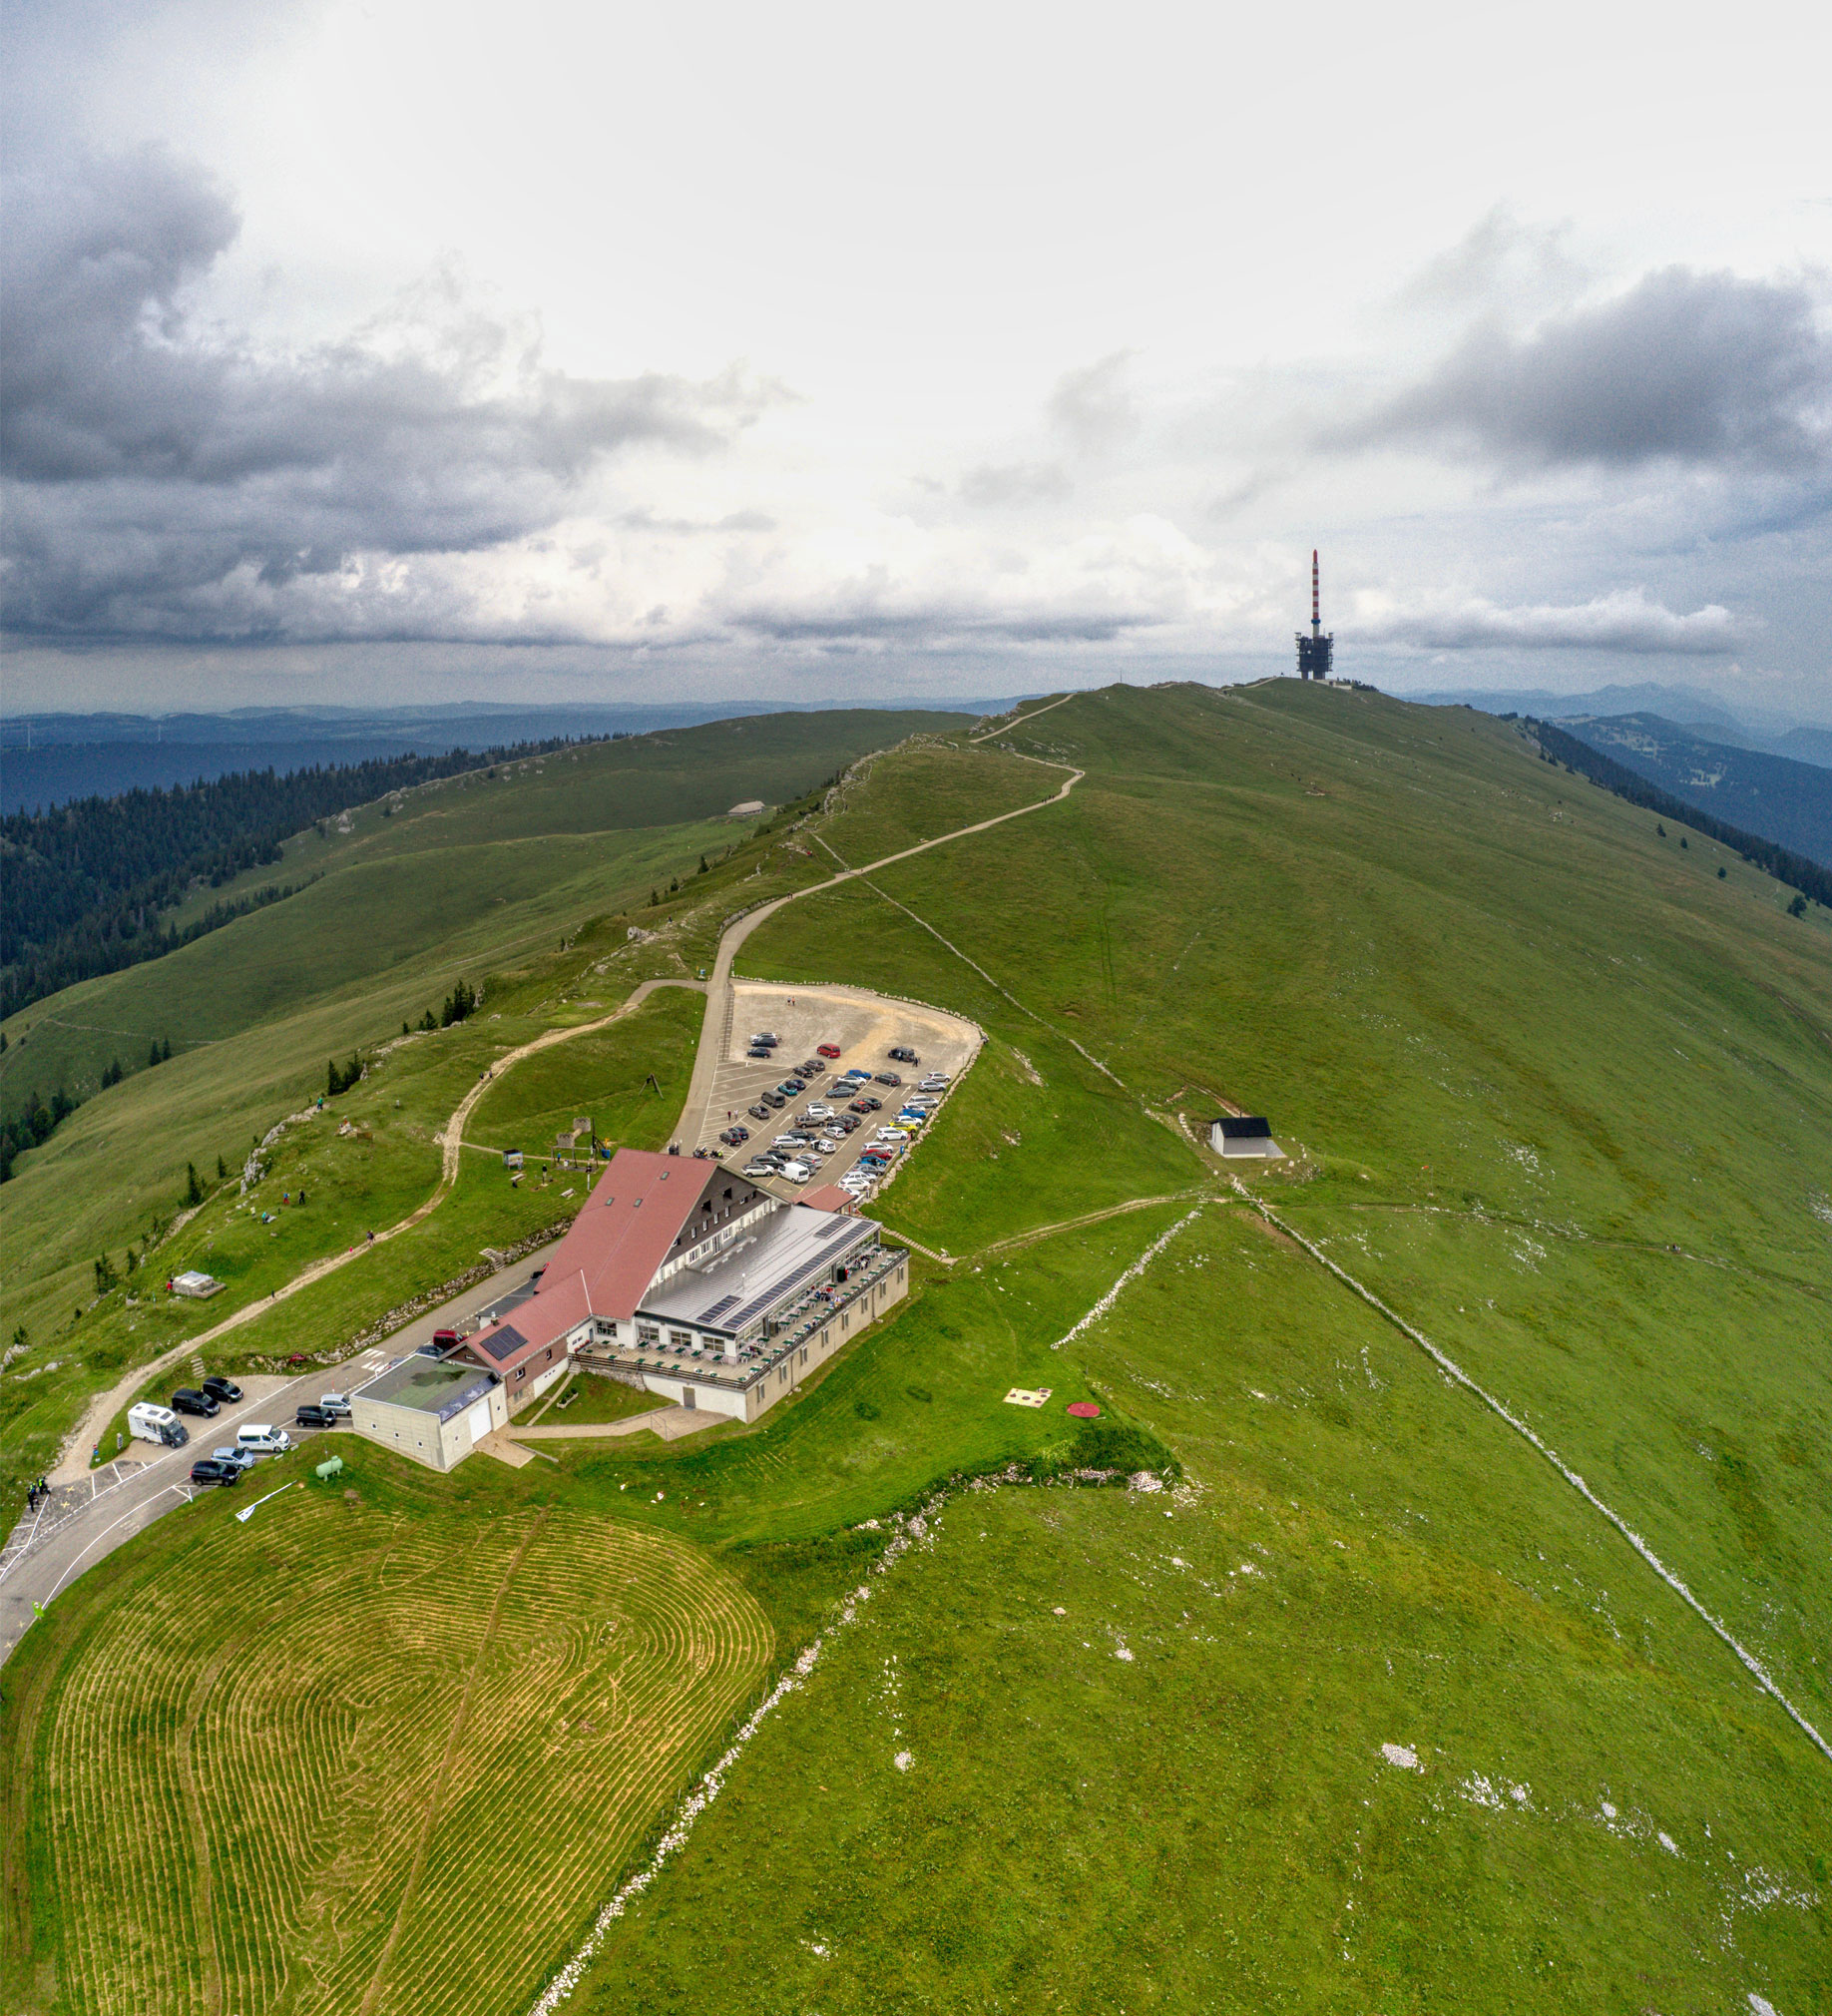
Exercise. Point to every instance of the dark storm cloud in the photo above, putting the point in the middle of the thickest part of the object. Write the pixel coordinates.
(1698, 369)
(151, 464)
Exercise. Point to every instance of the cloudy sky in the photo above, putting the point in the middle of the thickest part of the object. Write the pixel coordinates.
(552, 352)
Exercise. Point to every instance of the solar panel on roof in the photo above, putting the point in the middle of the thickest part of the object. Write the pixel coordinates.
(827, 1230)
(503, 1343)
(717, 1309)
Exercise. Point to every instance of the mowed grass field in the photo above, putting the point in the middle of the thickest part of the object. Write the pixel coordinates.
(354, 1754)
(1100, 1749)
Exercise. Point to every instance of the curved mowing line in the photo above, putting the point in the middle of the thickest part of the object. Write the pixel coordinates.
(1452, 1371)
(323, 1767)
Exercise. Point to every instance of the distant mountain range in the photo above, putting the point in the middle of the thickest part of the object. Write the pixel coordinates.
(1783, 801)
(47, 759)
(1682, 706)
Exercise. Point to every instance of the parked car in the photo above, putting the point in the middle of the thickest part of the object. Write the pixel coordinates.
(791, 1088)
(795, 1172)
(819, 1112)
(447, 1339)
(763, 1039)
(336, 1406)
(760, 1168)
(758, 1111)
(829, 1049)
(847, 1122)
(756, 1050)
(261, 1439)
(889, 1078)
(903, 1056)
(813, 1068)
(188, 1400)
(311, 1416)
(774, 1102)
(220, 1388)
(858, 1074)
(208, 1470)
(868, 1104)
(937, 1081)
(243, 1459)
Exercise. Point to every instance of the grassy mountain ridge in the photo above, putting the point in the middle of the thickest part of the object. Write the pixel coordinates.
(1557, 1093)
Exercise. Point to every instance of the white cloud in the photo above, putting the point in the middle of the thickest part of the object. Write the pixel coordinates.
(1626, 620)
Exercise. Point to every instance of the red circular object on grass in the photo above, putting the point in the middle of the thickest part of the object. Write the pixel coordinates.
(1084, 1410)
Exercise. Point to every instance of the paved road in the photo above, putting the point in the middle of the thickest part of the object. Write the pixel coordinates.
(716, 1032)
(88, 1520)
(42, 1558)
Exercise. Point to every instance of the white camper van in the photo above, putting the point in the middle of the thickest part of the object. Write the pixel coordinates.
(259, 1440)
(149, 1422)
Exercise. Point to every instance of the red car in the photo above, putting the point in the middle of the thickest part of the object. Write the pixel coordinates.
(828, 1050)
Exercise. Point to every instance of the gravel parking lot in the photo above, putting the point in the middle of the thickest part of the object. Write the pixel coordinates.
(864, 1028)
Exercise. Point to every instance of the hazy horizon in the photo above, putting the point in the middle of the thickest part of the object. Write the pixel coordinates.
(629, 358)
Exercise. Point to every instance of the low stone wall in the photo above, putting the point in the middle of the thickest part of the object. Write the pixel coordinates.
(418, 1306)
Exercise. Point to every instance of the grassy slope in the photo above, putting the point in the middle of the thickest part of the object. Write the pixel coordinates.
(1403, 948)
(1403, 969)
(311, 1757)
(480, 876)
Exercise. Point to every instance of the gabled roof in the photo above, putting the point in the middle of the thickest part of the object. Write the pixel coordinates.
(621, 1236)
(829, 1196)
(626, 1229)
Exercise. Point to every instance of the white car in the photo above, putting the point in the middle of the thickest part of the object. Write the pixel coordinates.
(933, 1085)
(794, 1172)
(818, 1112)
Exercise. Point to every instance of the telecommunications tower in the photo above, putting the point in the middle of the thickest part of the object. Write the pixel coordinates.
(1316, 650)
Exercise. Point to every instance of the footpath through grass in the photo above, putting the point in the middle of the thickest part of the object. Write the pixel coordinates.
(1373, 1712)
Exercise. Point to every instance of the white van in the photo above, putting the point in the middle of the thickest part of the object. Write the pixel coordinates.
(259, 1440)
(149, 1422)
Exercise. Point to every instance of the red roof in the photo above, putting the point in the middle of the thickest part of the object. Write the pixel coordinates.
(829, 1196)
(609, 1257)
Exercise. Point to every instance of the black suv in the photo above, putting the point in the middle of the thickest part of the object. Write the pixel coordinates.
(213, 1470)
(904, 1057)
(188, 1400)
(868, 1105)
(810, 1070)
(311, 1416)
(790, 1087)
(220, 1388)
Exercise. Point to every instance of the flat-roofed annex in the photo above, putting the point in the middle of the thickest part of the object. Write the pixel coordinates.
(731, 1292)
(438, 1386)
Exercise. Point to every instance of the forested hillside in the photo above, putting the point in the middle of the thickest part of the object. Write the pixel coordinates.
(85, 883)
(1783, 801)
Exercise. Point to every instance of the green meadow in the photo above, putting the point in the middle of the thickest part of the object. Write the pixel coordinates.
(1366, 1709)
(525, 880)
